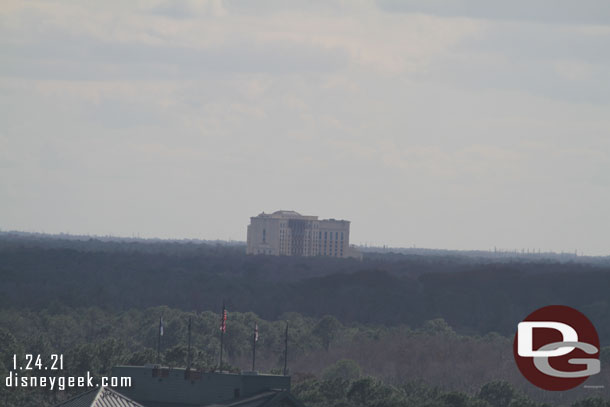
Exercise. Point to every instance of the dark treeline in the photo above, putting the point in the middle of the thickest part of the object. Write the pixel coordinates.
(475, 296)
(391, 330)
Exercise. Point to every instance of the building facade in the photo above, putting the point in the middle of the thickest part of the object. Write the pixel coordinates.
(159, 386)
(288, 233)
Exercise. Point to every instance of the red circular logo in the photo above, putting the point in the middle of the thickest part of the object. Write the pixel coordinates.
(556, 348)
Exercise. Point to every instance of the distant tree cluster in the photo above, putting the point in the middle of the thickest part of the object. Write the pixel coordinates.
(369, 392)
(325, 355)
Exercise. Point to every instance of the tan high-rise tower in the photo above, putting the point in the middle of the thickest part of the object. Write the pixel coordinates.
(288, 233)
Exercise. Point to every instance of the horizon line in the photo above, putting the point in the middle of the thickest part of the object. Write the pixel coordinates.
(373, 248)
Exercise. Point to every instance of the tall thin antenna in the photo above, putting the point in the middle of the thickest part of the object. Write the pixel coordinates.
(159, 339)
(223, 328)
(188, 356)
(254, 340)
(286, 350)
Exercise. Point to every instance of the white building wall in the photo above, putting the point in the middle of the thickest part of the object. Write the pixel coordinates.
(275, 234)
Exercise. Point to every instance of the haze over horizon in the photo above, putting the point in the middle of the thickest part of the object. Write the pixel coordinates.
(518, 251)
(456, 124)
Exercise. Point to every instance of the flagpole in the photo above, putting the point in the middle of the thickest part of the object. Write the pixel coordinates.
(222, 334)
(286, 350)
(254, 338)
(188, 357)
(159, 340)
(222, 331)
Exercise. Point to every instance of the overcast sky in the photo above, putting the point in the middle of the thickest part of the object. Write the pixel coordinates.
(458, 124)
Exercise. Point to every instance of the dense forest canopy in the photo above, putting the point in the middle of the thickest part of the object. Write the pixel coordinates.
(474, 295)
(393, 329)
(328, 360)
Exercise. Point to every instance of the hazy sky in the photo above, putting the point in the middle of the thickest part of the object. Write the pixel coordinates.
(441, 123)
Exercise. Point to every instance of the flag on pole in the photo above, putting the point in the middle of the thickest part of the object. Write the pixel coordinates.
(223, 320)
(255, 332)
(161, 326)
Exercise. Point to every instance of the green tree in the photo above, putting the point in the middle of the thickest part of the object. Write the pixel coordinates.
(176, 356)
(455, 399)
(327, 329)
(346, 369)
(522, 401)
(142, 357)
(371, 392)
(308, 391)
(334, 391)
(110, 352)
(592, 402)
(437, 326)
(82, 359)
(498, 393)
(9, 346)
